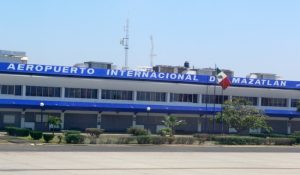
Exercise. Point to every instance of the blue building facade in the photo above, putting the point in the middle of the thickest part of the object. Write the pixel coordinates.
(118, 99)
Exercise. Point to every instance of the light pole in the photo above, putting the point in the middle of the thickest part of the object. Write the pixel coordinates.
(148, 110)
(42, 106)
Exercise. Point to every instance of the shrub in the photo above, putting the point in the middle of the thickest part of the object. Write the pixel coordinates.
(74, 138)
(158, 140)
(171, 140)
(137, 131)
(296, 136)
(281, 141)
(184, 140)
(165, 132)
(145, 139)
(126, 140)
(48, 137)
(68, 132)
(14, 131)
(94, 132)
(60, 137)
(36, 135)
(297, 139)
(10, 130)
(264, 135)
(296, 133)
(239, 140)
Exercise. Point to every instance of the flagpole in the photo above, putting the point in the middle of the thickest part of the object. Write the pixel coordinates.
(206, 106)
(215, 86)
(222, 126)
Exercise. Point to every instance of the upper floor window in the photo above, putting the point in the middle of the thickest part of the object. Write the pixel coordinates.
(253, 101)
(41, 91)
(81, 93)
(116, 95)
(11, 89)
(295, 102)
(214, 99)
(151, 96)
(189, 98)
(276, 102)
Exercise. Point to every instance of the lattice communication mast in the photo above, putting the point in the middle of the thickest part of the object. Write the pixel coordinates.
(124, 42)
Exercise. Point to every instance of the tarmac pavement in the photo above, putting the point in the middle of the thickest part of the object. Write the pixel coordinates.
(183, 160)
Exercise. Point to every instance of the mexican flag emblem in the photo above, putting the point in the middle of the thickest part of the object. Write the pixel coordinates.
(222, 79)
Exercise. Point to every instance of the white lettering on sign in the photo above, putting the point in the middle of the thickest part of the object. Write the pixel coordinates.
(49, 69)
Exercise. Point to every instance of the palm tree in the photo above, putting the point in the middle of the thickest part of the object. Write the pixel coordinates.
(172, 122)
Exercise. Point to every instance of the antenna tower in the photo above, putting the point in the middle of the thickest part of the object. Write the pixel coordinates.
(152, 55)
(124, 42)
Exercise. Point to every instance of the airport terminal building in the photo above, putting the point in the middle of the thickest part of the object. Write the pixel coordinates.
(115, 100)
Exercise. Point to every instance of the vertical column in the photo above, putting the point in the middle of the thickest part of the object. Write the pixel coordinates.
(23, 119)
(99, 120)
(199, 129)
(23, 90)
(134, 120)
(134, 95)
(63, 92)
(62, 117)
(259, 101)
(289, 101)
(289, 126)
(199, 98)
(168, 97)
(99, 94)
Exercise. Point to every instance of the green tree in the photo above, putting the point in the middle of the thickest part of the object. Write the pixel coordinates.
(54, 122)
(172, 122)
(241, 116)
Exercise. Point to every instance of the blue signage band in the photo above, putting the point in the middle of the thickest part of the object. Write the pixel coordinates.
(48, 70)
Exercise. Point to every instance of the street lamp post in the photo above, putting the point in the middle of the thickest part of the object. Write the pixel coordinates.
(42, 106)
(148, 110)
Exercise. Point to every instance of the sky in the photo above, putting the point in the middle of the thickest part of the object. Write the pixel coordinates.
(241, 35)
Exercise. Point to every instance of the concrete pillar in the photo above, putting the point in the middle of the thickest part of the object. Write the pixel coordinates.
(289, 126)
(289, 102)
(62, 117)
(259, 101)
(168, 97)
(199, 129)
(23, 119)
(63, 92)
(99, 94)
(134, 95)
(99, 120)
(199, 98)
(23, 90)
(134, 120)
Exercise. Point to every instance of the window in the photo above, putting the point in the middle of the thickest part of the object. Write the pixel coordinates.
(81, 93)
(188, 98)
(276, 102)
(116, 95)
(151, 96)
(43, 91)
(252, 100)
(38, 118)
(11, 89)
(295, 102)
(214, 99)
(8, 119)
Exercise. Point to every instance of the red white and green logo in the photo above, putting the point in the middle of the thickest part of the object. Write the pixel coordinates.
(222, 79)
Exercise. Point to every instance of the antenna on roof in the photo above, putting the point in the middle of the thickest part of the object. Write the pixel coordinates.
(124, 42)
(152, 55)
